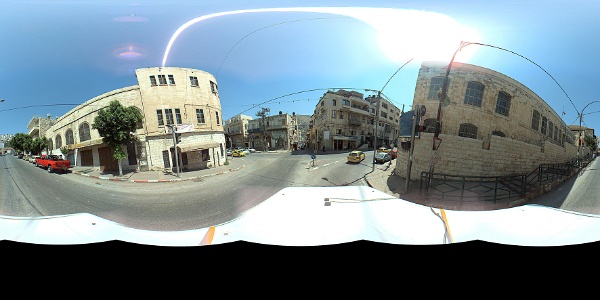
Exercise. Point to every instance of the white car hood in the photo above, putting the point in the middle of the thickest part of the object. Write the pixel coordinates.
(312, 216)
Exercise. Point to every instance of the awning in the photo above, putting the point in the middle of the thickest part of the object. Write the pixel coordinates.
(195, 147)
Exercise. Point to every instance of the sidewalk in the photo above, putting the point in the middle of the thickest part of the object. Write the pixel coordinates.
(159, 176)
(383, 179)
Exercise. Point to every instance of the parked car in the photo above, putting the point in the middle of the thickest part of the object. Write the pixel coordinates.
(32, 158)
(53, 163)
(229, 152)
(383, 157)
(251, 150)
(238, 153)
(356, 156)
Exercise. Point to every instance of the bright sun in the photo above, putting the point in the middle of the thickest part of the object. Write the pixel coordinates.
(420, 35)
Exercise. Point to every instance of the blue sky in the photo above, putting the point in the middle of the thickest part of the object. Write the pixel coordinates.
(56, 54)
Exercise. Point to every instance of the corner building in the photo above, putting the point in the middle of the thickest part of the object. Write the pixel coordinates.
(186, 98)
(491, 125)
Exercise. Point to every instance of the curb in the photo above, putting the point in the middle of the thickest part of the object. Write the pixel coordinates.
(156, 180)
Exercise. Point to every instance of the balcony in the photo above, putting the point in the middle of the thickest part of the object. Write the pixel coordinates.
(363, 111)
(354, 121)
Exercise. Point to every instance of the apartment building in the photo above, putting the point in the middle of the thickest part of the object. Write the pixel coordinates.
(344, 120)
(170, 98)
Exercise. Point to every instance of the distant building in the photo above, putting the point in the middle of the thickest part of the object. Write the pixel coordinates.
(236, 130)
(347, 120)
(273, 132)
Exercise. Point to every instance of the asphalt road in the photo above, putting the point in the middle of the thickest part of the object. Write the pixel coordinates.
(28, 191)
(580, 194)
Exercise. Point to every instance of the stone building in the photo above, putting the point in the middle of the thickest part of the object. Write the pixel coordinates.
(344, 120)
(166, 96)
(491, 125)
(236, 130)
(38, 126)
(274, 132)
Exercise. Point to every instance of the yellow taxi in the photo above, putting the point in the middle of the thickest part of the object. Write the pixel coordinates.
(383, 149)
(356, 156)
(238, 153)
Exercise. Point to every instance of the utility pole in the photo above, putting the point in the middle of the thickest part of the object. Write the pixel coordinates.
(173, 128)
(442, 96)
(262, 113)
(416, 111)
(376, 120)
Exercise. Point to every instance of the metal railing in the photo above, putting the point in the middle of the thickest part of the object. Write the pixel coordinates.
(494, 188)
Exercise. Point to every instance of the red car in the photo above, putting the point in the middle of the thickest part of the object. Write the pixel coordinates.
(52, 163)
(394, 153)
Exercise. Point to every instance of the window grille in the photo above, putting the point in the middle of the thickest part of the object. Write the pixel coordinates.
(498, 133)
(503, 103)
(84, 132)
(535, 120)
(193, 81)
(159, 116)
(69, 137)
(544, 125)
(467, 130)
(200, 116)
(435, 87)
(178, 116)
(58, 141)
(169, 116)
(162, 79)
(474, 93)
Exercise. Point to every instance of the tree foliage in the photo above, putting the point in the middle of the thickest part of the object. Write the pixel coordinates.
(590, 141)
(116, 125)
(24, 142)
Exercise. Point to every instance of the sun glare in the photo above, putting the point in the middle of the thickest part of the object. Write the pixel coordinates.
(421, 35)
(402, 34)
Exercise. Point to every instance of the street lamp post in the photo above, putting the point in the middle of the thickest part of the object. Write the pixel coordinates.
(442, 96)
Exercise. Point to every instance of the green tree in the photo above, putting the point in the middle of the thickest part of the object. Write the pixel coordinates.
(116, 125)
(590, 141)
(21, 142)
(38, 144)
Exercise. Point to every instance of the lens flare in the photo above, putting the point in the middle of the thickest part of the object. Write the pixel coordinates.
(129, 53)
(402, 34)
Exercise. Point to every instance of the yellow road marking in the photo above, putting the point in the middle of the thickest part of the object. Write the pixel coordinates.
(208, 237)
(446, 224)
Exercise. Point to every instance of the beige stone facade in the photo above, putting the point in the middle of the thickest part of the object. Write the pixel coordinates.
(236, 129)
(275, 132)
(186, 98)
(491, 125)
(345, 120)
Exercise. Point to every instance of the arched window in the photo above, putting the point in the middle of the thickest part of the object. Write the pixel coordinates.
(50, 145)
(84, 132)
(69, 137)
(58, 141)
(474, 93)
(467, 130)
(498, 133)
(503, 103)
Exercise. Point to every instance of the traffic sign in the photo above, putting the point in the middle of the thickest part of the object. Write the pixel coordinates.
(313, 156)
